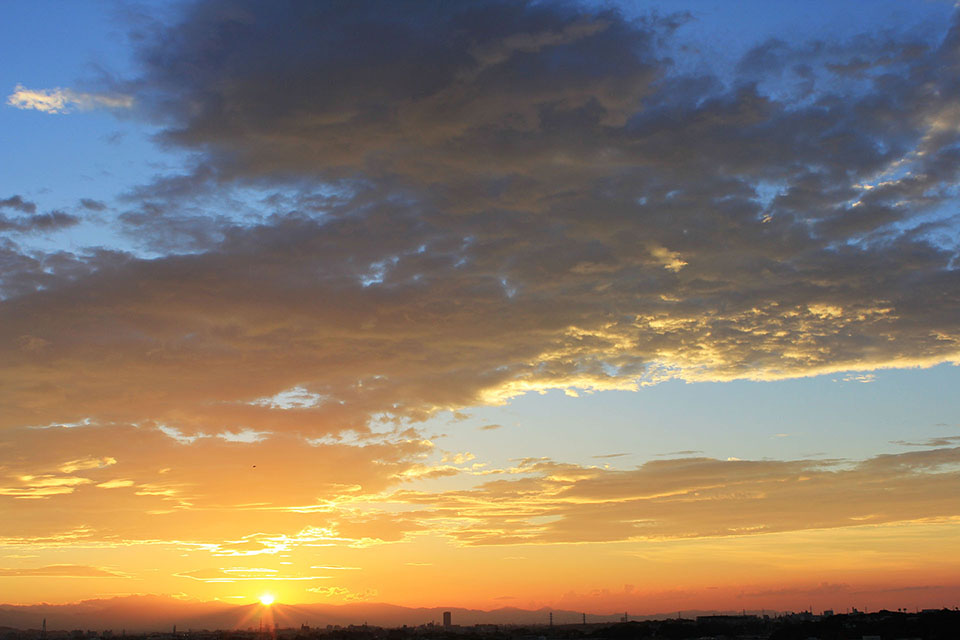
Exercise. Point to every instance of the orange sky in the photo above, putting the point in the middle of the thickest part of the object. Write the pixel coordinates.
(232, 520)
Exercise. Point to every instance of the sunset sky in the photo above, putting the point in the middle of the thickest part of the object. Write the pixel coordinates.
(640, 306)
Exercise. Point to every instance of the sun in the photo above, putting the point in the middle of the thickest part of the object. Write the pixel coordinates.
(267, 599)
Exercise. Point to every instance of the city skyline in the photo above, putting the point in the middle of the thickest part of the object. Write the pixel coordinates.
(586, 306)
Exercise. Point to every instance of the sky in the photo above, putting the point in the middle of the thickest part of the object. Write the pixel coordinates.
(640, 306)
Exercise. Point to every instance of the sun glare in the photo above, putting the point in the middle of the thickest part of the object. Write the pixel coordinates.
(267, 599)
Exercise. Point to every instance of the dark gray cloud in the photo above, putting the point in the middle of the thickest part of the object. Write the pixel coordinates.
(942, 441)
(18, 203)
(38, 222)
(457, 202)
(92, 205)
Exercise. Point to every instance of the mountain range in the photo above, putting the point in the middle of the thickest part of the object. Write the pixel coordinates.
(155, 613)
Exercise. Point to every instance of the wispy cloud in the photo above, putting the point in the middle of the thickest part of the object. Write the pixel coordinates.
(85, 464)
(42, 486)
(342, 593)
(61, 571)
(859, 377)
(940, 441)
(695, 497)
(241, 574)
(61, 100)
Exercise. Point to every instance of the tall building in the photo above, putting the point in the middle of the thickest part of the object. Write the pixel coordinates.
(447, 619)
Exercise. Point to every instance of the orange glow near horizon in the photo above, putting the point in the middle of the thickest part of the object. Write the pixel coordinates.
(671, 534)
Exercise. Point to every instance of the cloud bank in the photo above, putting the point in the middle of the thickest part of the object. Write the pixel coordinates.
(496, 198)
(456, 203)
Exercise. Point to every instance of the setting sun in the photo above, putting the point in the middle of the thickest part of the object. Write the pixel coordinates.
(267, 599)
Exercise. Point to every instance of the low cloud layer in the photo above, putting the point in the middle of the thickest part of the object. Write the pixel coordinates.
(60, 571)
(696, 497)
(306, 495)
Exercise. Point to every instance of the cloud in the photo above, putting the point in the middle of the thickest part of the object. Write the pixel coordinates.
(942, 441)
(824, 588)
(65, 538)
(33, 222)
(18, 203)
(353, 498)
(85, 464)
(39, 223)
(61, 571)
(240, 574)
(92, 205)
(864, 378)
(694, 498)
(537, 202)
(213, 487)
(115, 484)
(65, 100)
(342, 593)
(42, 486)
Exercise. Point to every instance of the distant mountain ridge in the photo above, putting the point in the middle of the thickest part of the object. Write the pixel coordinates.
(161, 613)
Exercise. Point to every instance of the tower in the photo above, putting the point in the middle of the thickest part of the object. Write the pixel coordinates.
(447, 621)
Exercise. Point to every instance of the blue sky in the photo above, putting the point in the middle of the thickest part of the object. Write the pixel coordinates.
(834, 415)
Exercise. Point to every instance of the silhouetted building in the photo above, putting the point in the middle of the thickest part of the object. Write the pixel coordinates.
(447, 619)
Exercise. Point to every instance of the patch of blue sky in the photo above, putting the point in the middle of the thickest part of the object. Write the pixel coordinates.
(57, 159)
(765, 192)
(853, 415)
(377, 271)
(936, 222)
(720, 32)
(49, 44)
(508, 288)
